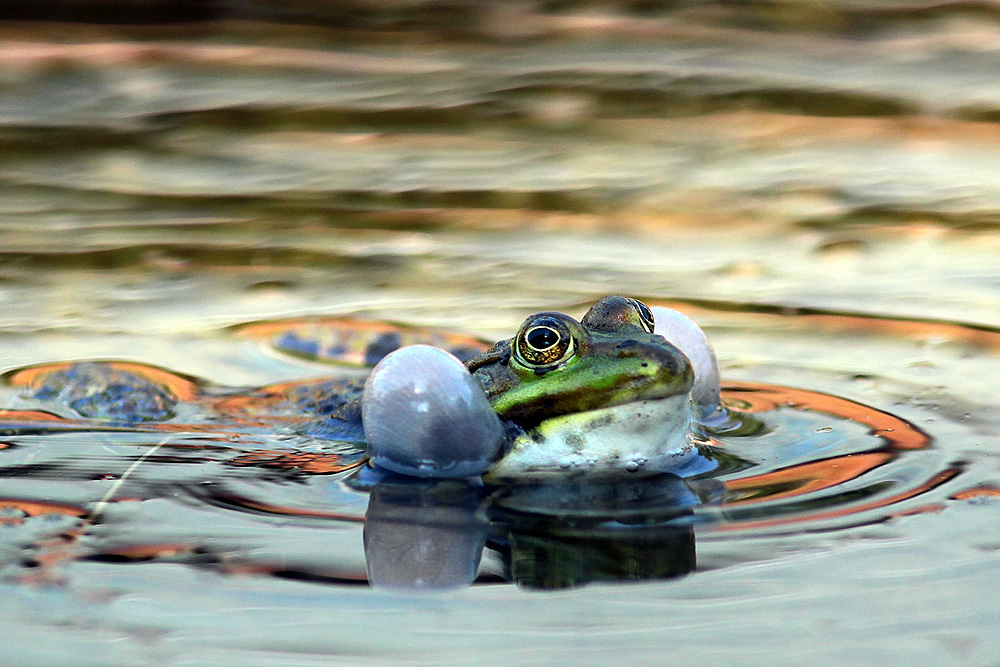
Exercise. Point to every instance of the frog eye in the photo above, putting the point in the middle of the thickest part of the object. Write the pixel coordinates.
(645, 315)
(544, 341)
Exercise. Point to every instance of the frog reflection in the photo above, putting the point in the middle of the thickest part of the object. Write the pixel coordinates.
(432, 533)
(555, 535)
(423, 533)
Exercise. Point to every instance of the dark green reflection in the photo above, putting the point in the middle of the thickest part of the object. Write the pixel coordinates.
(431, 533)
(571, 532)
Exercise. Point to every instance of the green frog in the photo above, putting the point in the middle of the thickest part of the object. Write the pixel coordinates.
(606, 393)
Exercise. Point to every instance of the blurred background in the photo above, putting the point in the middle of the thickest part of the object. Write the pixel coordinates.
(177, 165)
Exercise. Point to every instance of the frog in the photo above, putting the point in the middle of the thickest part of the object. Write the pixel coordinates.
(603, 395)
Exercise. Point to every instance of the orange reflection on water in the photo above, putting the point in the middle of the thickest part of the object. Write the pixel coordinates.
(897, 435)
(28, 416)
(935, 481)
(258, 407)
(980, 491)
(271, 508)
(316, 463)
(36, 508)
(804, 477)
(754, 397)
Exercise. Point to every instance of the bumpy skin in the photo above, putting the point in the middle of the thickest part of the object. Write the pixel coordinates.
(336, 405)
(610, 357)
(100, 391)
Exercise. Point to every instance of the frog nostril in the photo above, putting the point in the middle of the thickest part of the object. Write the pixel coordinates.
(628, 348)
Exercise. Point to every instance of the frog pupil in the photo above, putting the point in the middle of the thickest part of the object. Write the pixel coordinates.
(542, 338)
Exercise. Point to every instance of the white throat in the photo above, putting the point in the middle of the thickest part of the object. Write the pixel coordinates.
(652, 435)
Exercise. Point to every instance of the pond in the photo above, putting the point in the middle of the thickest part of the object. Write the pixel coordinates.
(240, 209)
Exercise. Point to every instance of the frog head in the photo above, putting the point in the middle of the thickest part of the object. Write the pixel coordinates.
(602, 392)
(556, 366)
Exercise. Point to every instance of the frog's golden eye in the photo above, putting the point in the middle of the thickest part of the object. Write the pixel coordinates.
(645, 315)
(543, 341)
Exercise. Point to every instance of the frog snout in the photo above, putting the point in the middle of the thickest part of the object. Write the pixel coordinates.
(671, 364)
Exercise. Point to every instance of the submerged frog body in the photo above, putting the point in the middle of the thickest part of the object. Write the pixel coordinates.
(101, 391)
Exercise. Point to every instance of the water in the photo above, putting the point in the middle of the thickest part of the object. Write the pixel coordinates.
(232, 500)
(814, 185)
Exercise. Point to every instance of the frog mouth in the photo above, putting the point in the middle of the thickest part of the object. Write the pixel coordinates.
(645, 435)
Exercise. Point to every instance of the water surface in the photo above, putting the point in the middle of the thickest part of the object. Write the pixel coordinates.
(814, 185)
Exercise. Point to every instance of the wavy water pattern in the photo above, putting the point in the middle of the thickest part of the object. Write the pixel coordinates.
(254, 458)
(235, 207)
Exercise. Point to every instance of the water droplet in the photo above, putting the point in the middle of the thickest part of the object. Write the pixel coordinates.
(825, 429)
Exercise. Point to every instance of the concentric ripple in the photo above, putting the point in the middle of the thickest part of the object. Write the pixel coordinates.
(271, 480)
